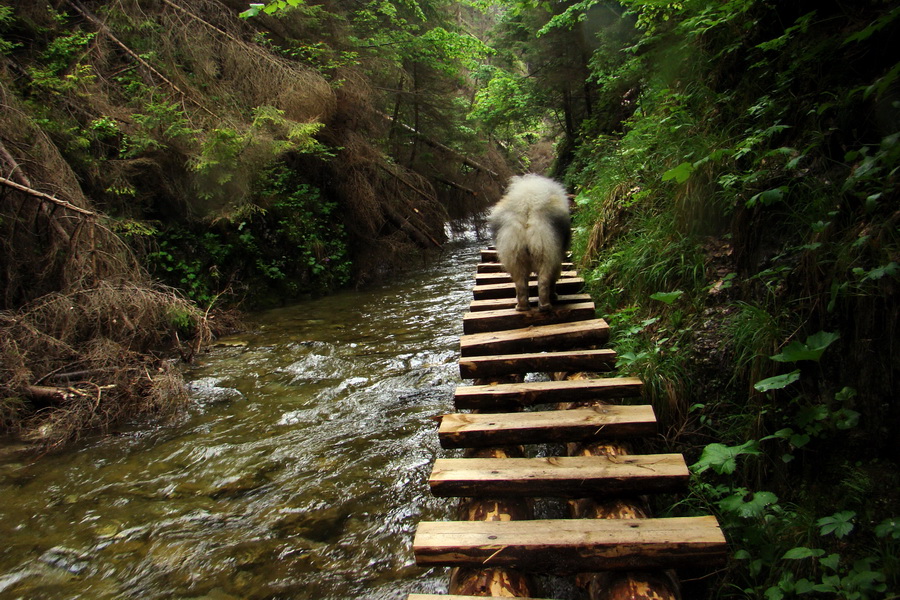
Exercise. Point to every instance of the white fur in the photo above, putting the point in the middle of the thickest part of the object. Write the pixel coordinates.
(530, 226)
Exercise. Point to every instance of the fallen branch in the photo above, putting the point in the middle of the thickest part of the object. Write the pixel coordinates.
(105, 30)
(434, 143)
(47, 197)
(47, 394)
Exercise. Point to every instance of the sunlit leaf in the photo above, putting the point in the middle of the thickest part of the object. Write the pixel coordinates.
(680, 174)
(778, 382)
(667, 297)
(723, 459)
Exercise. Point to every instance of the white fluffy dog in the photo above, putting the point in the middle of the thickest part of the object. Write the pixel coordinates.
(532, 228)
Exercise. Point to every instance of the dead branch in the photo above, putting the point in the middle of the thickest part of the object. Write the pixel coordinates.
(15, 170)
(402, 180)
(47, 197)
(436, 144)
(103, 28)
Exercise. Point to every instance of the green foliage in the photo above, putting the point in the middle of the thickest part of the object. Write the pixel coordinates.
(723, 459)
(6, 19)
(726, 125)
(296, 245)
(811, 349)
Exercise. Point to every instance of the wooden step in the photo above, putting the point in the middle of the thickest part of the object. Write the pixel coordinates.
(458, 597)
(560, 336)
(492, 278)
(612, 421)
(507, 395)
(510, 318)
(558, 476)
(478, 367)
(568, 285)
(489, 255)
(505, 303)
(495, 267)
(572, 545)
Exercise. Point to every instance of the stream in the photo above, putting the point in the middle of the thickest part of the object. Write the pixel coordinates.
(300, 470)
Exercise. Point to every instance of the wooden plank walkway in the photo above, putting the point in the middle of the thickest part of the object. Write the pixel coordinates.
(559, 476)
(571, 546)
(477, 367)
(475, 430)
(499, 343)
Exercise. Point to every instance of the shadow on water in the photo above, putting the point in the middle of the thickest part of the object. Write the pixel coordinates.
(300, 472)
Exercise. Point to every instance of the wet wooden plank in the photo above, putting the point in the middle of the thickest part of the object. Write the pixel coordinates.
(572, 545)
(495, 267)
(492, 278)
(489, 255)
(507, 395)
(510, 318)
(505, 303)
(568, 285)
(597, 360)
(558, 476)
(475, 430)
(458, 597)
(556, 337)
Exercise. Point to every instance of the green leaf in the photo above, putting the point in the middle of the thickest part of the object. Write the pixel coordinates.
(667, 297)
(768, 197)
(748, 507)
(252, 11)
(840, 524)
(680, 174)
(831, 561)
(723, 459)
(802, 552)
(778, 382)
(889, 527)
(812, 349)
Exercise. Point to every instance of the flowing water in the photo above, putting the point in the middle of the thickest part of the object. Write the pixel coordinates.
(300, 472)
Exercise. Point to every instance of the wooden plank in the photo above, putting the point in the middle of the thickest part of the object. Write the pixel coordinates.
(560, 336)
(505, 395)
(510, 318)
(568, 285)
(476, 367)
(489, 255)
(495, 267)
(475, 430)
(572, 545)
(492, 278)
(458, 597)
(504, 303)
(558, 476)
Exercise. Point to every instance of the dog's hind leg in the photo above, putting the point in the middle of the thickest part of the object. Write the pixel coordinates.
(546, 291)
(522, 294)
